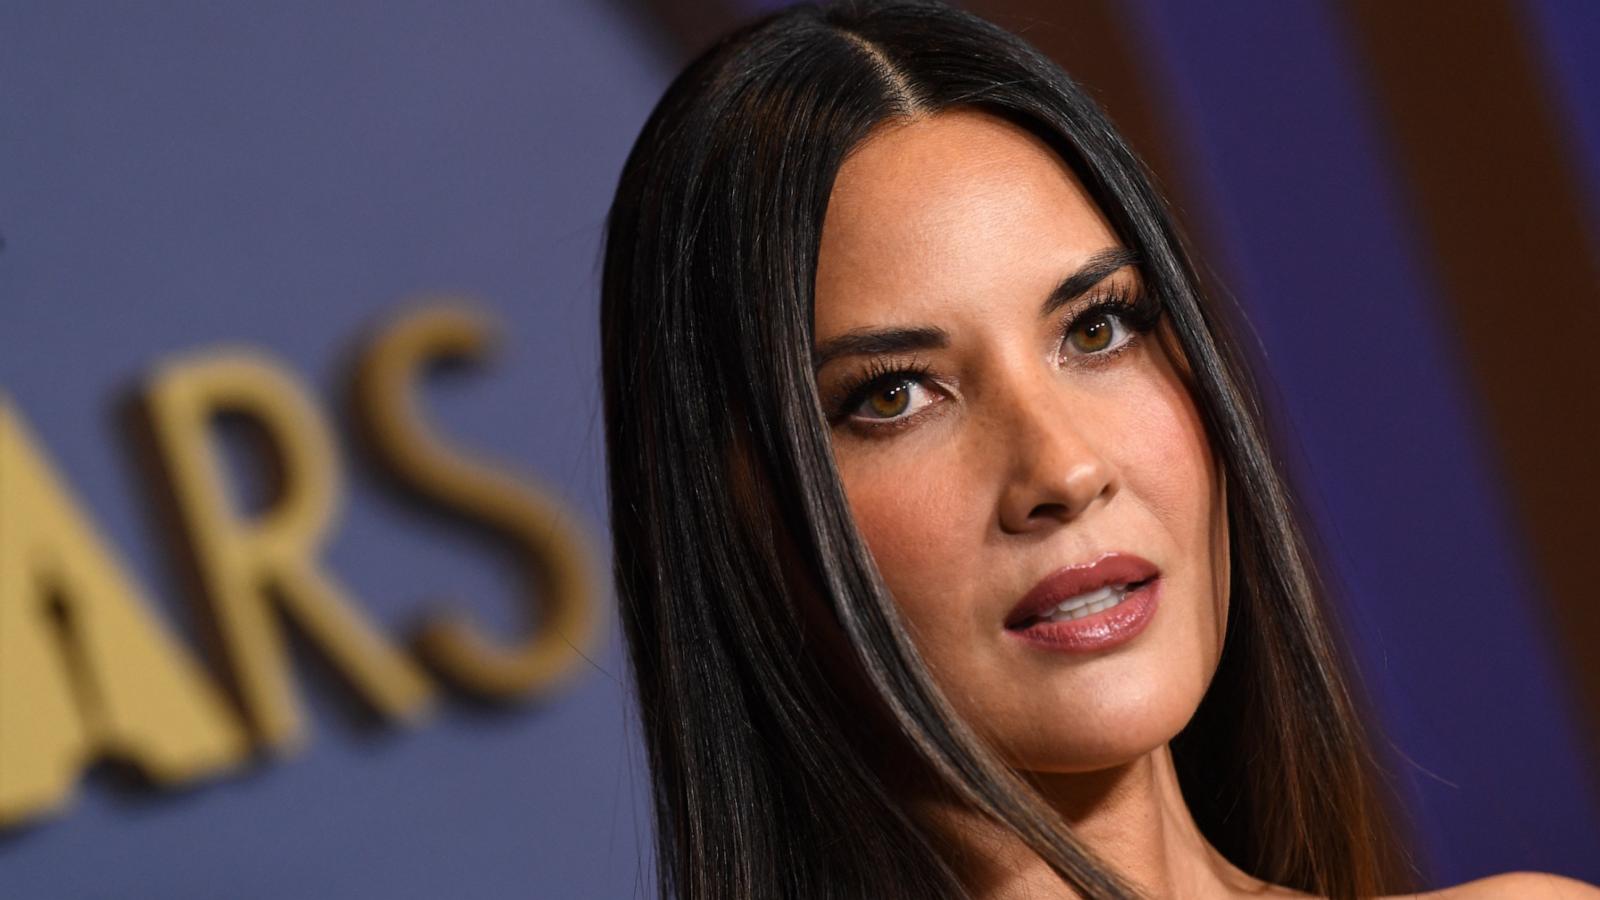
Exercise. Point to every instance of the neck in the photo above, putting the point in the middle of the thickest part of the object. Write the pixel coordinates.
(1132, 817)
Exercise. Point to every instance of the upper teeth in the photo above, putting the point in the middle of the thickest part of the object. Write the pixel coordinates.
(1086, 604)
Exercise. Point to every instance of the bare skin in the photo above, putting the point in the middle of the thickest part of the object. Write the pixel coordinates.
(1014, 438)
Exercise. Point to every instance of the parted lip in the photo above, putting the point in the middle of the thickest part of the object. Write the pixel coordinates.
(1111, 568)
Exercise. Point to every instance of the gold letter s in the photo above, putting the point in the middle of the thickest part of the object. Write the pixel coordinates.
(554, 558)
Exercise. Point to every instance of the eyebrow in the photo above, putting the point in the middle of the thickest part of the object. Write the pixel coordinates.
(871, 341)
(1100, 266)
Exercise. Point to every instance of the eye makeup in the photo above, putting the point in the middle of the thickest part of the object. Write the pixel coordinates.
(1130, 307)
(1121, 305)
(880, 374)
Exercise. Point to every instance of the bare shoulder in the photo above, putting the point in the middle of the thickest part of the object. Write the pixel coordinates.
(1518, 886)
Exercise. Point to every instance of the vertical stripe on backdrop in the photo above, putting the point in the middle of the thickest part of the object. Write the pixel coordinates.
(1489, 178)
(1436, 577)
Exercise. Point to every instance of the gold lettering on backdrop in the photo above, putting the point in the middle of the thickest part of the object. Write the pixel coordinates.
(553, 554)
(85, 670)
(240, 560)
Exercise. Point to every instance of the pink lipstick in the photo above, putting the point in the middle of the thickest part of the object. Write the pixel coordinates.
(1090, 607)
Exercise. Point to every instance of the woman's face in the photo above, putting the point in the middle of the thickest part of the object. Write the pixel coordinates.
(992, 432)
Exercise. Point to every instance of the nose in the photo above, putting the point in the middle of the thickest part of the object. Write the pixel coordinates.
(1056, 468)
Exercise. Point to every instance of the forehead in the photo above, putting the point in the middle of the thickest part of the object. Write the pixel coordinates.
(948, 210)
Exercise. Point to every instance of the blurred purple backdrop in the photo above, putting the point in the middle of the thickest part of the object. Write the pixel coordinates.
(180, 176)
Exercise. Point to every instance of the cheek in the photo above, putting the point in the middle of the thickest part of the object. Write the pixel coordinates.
(1173, 470)
(1168, 459)
(912, 520)
(925, 506)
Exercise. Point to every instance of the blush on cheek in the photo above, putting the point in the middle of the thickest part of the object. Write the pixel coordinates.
(1169, 452)
(905, 531)
(910, 507)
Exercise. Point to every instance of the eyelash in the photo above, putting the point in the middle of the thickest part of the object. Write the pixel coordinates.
(1137, 310)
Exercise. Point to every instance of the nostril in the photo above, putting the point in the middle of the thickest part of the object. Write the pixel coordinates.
(1048, 511)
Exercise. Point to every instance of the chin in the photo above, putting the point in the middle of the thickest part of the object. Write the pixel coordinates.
(1119, 727)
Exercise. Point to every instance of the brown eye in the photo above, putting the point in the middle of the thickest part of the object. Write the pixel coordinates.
(1092, 334)
(1098, 331)
(894, 398)
(890, 401)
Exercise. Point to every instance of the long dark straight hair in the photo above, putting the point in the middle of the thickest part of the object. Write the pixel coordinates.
(727, 512)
